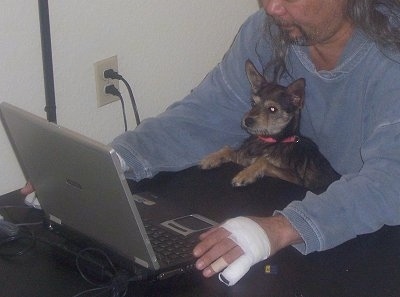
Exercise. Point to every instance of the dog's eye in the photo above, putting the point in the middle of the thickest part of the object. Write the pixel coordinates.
(252, 102)
(273, 109)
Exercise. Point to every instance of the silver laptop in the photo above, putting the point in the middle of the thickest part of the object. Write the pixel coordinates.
(80, 184)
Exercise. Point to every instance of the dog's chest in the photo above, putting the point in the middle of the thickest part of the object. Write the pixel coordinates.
(253, 149)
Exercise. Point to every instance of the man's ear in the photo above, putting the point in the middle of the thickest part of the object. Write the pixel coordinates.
(297, 90)
(256, 79)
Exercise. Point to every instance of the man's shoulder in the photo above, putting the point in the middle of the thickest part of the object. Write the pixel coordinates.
(392, 54)
(256, 21)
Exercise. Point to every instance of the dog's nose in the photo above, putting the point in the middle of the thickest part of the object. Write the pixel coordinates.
(249, 122)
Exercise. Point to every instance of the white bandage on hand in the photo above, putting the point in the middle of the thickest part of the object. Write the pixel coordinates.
(254, 242)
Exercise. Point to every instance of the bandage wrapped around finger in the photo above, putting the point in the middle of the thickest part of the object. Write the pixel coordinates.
(254, 242)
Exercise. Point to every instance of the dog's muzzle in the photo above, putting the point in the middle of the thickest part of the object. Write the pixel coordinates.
(248, 122)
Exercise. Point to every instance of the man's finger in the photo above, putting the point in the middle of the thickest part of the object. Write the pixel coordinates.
(209, 240)
(219, 265)
(27, 189)
(223, 261)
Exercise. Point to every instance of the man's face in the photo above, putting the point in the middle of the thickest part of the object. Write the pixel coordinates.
(307, 22)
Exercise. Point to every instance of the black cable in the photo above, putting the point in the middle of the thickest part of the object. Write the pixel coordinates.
(135, 110)
(91, 291)
(27, 241)
(14, 206)
(79, 266)
(115, 281)
(111, 89)
(109, 73)
(118, 281)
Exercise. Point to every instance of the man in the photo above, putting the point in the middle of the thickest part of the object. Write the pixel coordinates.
(352, 112)
(348, 51)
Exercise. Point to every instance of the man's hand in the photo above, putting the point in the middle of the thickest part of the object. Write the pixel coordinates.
(215, 244)
(216, 250)
(27, 189)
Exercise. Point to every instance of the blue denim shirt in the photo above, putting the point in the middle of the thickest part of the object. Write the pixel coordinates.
(351, 112)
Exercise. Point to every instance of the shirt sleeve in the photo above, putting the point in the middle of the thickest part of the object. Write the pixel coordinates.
(204, 121)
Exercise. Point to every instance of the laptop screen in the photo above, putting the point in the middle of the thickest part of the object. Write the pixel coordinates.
(79, 183)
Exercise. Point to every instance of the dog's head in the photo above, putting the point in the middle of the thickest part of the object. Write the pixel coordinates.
(275, 109)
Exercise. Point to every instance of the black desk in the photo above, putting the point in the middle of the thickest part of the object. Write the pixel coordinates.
(366, 266)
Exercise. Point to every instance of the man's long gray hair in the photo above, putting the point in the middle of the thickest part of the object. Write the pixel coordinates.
(378, 19)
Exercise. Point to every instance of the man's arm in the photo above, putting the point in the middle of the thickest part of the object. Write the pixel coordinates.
(206, 120)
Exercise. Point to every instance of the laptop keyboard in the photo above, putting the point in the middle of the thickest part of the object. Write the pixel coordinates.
(170, 248)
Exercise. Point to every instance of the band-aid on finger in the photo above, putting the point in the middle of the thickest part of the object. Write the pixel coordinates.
(219, 265)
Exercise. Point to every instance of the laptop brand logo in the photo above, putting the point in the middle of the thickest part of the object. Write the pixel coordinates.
(74, 184)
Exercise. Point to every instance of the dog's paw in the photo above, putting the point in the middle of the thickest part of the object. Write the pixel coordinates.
(237, 184)
(242, 179)
(217, 159)
(210, 162)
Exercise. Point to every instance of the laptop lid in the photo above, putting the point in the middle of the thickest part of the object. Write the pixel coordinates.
(79, 183)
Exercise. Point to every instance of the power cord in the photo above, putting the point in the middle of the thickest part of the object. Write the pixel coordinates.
(111, 89)
(110, 73)
(93, 264)
(97, 269)
(16, 240)
(118, 280)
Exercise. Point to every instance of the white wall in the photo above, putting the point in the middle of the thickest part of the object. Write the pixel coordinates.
(164, 49)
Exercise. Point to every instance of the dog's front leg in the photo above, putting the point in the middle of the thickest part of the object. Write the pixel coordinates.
(262, 167)
(216, 159)
(251, 173)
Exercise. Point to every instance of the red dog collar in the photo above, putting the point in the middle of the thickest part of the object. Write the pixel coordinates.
(293, 138)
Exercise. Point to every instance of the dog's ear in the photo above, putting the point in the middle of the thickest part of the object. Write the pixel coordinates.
(256, 79)
(297, 90)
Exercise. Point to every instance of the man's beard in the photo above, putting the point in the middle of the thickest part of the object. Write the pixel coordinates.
(301, 39)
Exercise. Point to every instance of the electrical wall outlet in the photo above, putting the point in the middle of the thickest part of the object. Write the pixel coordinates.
(101, 82)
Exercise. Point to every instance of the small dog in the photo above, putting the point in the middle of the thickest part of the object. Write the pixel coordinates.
(275, 147)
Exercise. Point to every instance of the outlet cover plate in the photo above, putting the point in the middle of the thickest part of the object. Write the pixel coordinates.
(101, 82)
